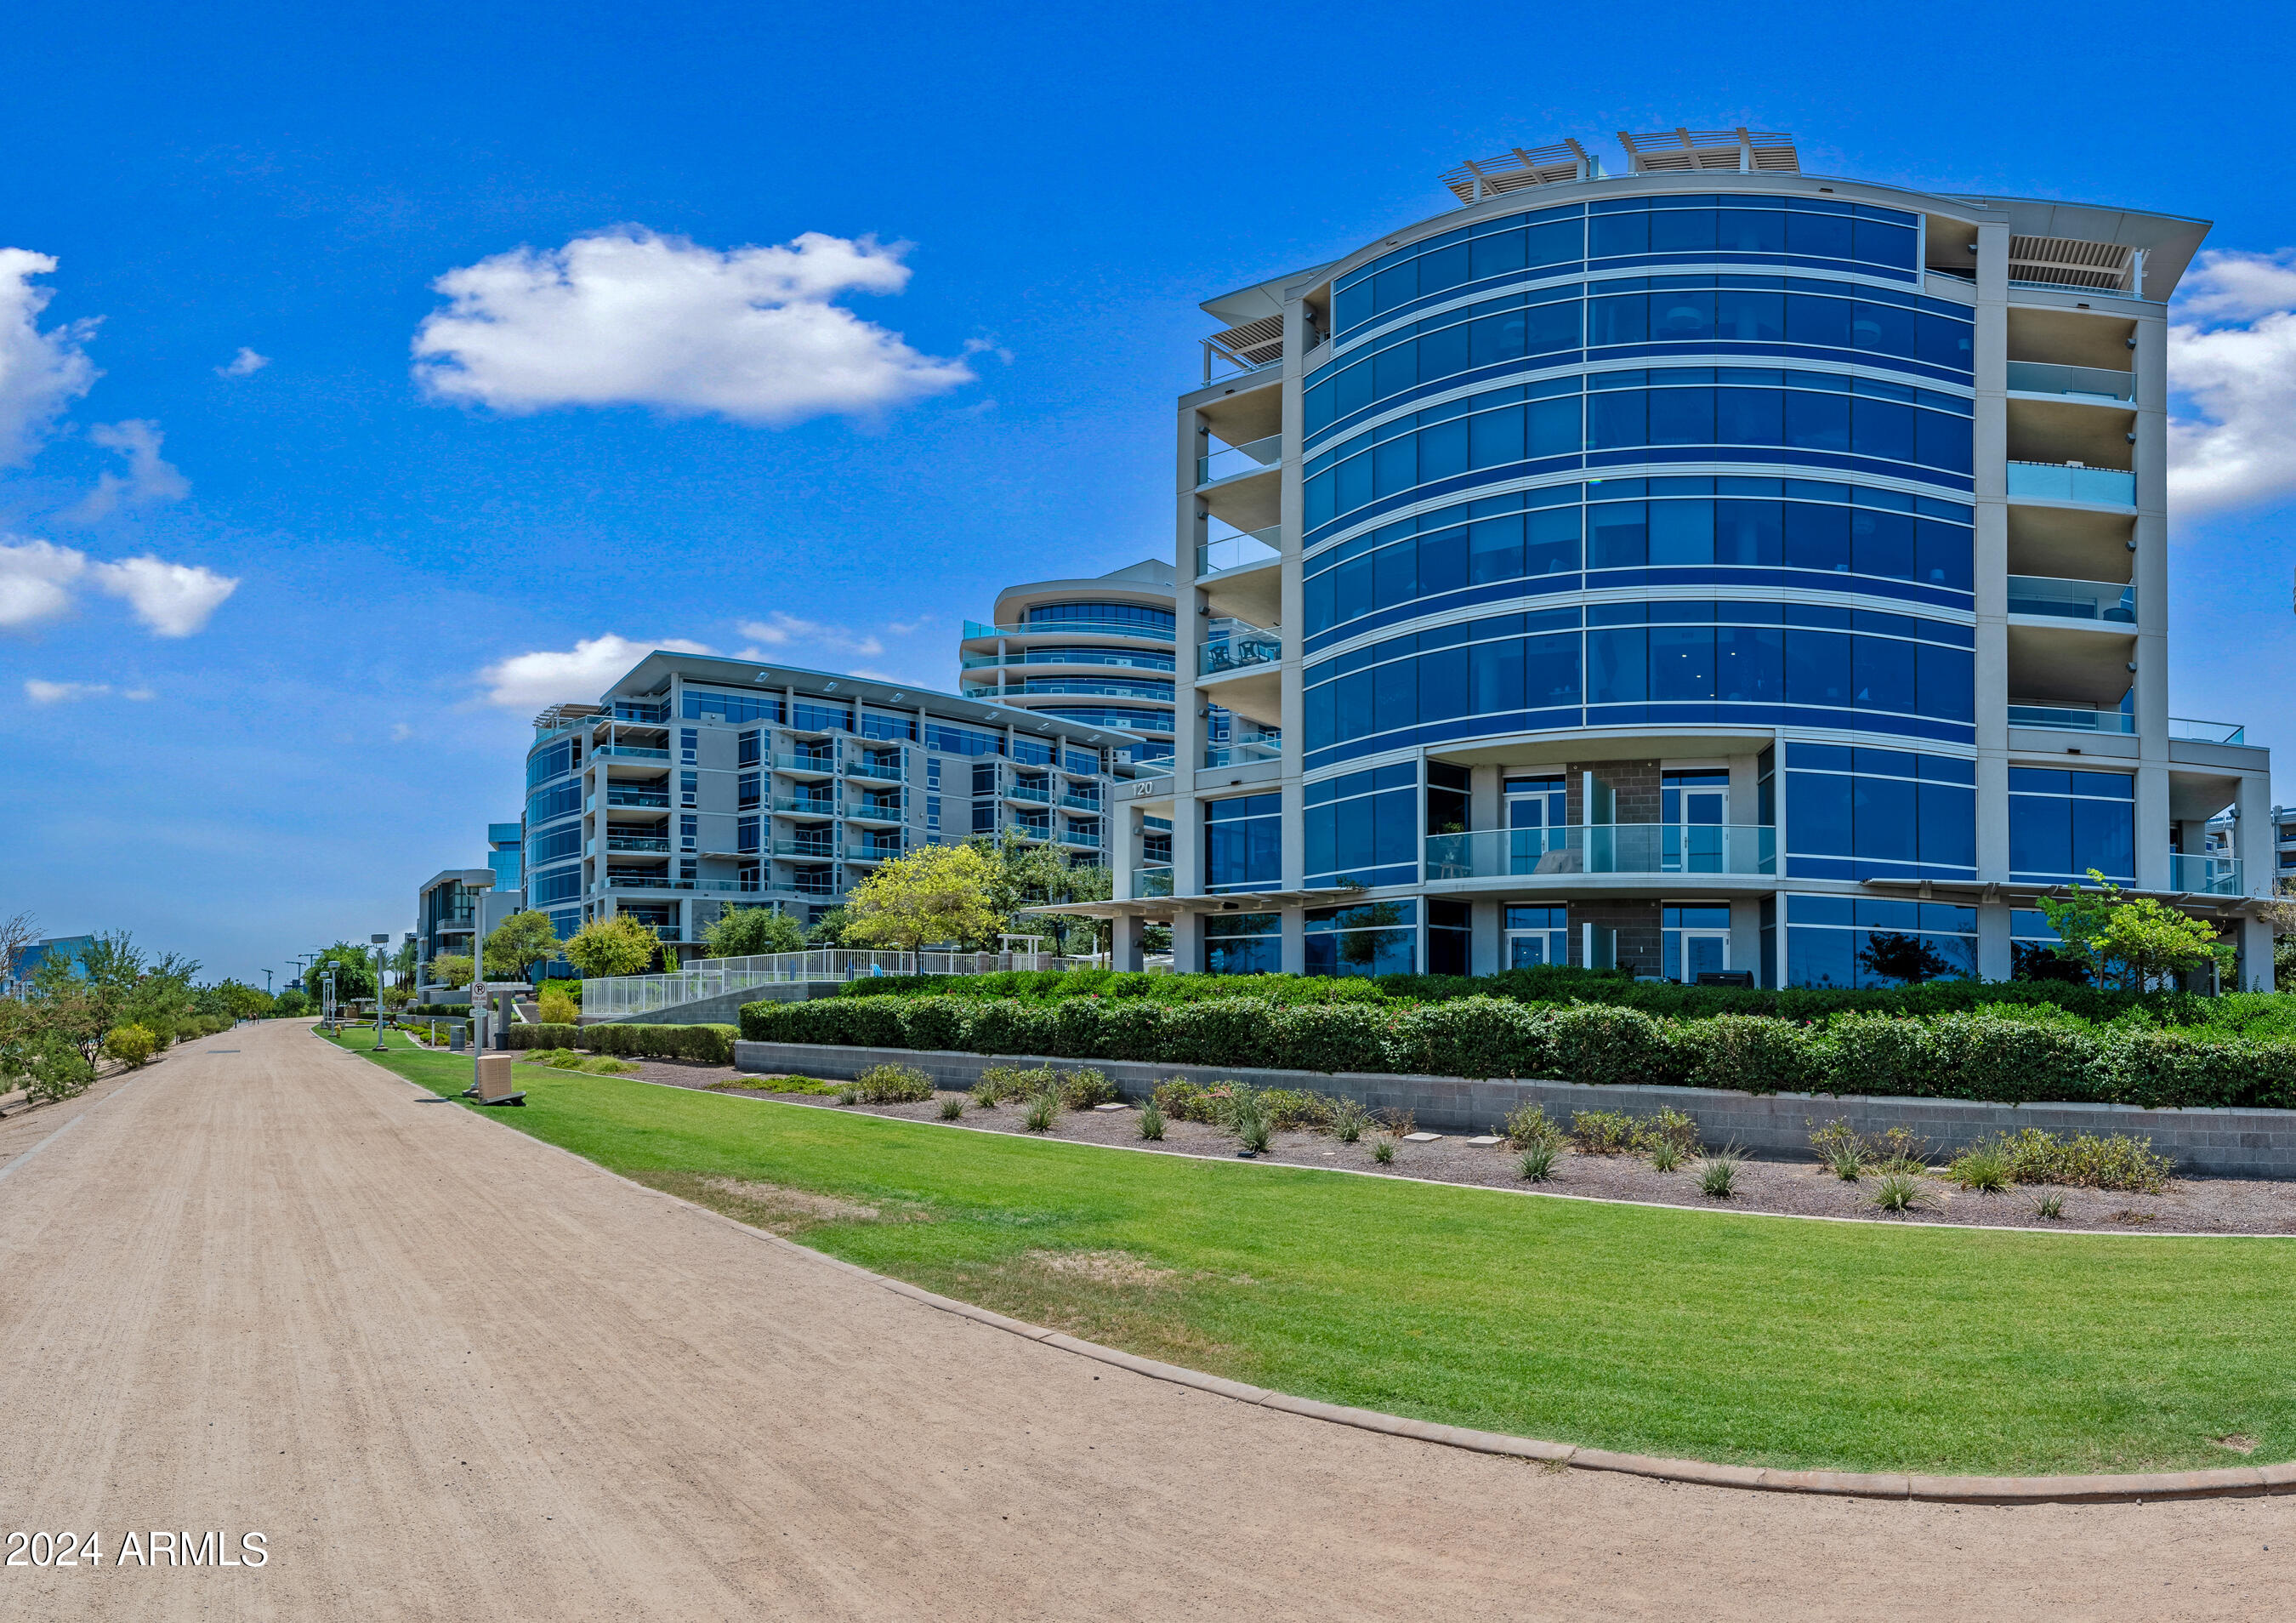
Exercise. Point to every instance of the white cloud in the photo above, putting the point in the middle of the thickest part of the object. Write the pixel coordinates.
(138, 693)
(56, 692)
(528, 681)
(40, 373)
(247, 363)
(2231, 369)
(36, 579)
(631, 317)
(150, 479)
(779, 630)
(174, 599)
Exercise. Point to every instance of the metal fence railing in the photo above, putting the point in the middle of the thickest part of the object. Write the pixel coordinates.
(618, 996)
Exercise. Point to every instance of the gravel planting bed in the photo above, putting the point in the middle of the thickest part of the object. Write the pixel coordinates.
(2188, 1206)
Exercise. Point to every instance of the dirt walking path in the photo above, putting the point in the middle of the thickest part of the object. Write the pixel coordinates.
(448, 1372)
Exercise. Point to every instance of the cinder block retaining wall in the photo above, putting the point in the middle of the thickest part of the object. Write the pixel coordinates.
(2222, 1143)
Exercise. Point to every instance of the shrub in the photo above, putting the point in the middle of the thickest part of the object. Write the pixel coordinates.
(2050, 1207)
(1152, 1121)
(1536, 1163)
(1252, 1127)
(131, 1042)
(952, 1108)
(1383, 1152)
(1296, 1108)
(1043, 1109)
(2115, 1161)
(1669, 1126)
(1348, 1120)
(1593, 1043)
(984, 1095)
(892, 1085)
(1185, 1102)
(1528, 1128)
(1603, 1132)
(1751, 1053)
(559, 1009)
(1082, 1090)
(1664, 1156)
(55, 1070)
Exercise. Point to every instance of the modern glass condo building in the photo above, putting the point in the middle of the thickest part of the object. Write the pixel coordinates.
(1097, 652)
(696, 783)
(1710, 568)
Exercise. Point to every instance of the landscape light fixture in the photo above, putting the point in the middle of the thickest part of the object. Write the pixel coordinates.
(381, 942)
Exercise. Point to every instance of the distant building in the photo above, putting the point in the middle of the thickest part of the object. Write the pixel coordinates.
(73, 948)
(695, 783)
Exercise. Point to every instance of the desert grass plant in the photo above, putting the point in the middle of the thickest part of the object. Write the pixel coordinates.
(848, 1095)
(1383, 1150)
(1718, 1173)
(892, 1085)
(984, 1095)
(1983, 1170)
(1898, 1192)
(2050, 1207)
(1537, 1164)
(1250, 1121)
(1848, 1163)
(1664, 1156)
(1152, 1123)
(1043, 1110)
(1348, 1120)
(952, 1108)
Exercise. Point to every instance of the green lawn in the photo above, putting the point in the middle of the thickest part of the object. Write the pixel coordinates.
(1693, 1333)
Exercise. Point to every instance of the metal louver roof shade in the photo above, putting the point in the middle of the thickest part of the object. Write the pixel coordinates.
(2068, 261)
(1255, 341)
(1515, 169)
(1754, 152)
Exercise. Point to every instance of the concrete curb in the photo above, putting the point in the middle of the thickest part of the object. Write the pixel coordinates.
(2239, 1482)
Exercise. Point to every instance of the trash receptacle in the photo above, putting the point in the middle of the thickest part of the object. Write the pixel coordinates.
(495, 1079)
(456, 1043)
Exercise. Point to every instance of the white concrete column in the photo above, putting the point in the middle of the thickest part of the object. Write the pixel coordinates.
(1294, 960)
(1487, 950)
(1995, 959)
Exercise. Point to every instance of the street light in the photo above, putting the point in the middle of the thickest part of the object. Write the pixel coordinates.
(381, 942)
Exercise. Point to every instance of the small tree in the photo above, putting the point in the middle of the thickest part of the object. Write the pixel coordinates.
(291, 1004)
(520, 944)
(2100, 930)
(354, 968)
(829, 929)
(937, 892)
(452, 969)
(747, 932)
(618, 945)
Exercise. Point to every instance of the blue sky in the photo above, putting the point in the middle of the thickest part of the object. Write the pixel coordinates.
(253, 213)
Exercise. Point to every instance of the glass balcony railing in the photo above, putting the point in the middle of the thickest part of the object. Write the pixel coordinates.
(876, 772)
(873, 854)
(2068, 719)
(1036, 687)
(2204, 876)
(1087, 837)
(876, 811)
(2067, 599)
(823, 763)
(626, 842)
(1607, 848)
(812, 850)
(1080, 802)
(1235, 645)
(2040, 377)
(635, 797)
(805, 806)
(2206, 732)
(1235, 461)
(2071, 482)
(1112, 658)
(631, 751)
(1247, 751)
(1240, 550)
(1062, 628)
(1151, 881)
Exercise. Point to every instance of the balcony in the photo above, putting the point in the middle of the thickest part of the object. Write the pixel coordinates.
(1246, 750)
(1607, 848)
(653, 715)
(630, 752)
(637, 798)
(820, 765)
(1035, 793)
(2071, 482)
(1242, 550)
(873, 854)
(873, 772)
(2206, 732)
(1239, 461)
(805, 805)
(2204, 876)
(2067, 599)
(1081, 803)
(1087, 837)
(1112, 658)
(1151, 881)
(2099, 383)
(627, 842)
(1234, 644)
(1153, 693)
(814, 851)
(974, 629)
(2065, 719)
(876, 811)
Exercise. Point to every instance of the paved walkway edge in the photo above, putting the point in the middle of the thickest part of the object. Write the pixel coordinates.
(2243, 1482)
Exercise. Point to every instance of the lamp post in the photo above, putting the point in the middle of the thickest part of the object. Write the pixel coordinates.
(381, 942)
(479, 1018)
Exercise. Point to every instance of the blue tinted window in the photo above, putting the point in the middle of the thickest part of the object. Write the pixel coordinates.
(1243, 842)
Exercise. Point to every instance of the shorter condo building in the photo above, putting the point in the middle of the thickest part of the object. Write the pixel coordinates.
(696, 783)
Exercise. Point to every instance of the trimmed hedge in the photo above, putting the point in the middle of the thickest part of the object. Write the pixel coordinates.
(711, 1044)
(2004, 1055)
(1555, 984)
